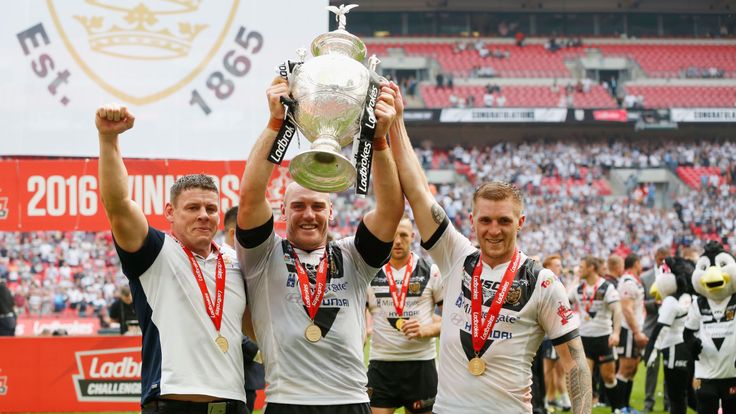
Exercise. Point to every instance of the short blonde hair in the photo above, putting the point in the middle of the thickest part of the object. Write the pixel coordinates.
(499, 191)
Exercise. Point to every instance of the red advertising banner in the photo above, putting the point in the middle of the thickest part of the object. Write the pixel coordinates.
(71, 374)
(64, 194)
(56, 374)
(613, 115)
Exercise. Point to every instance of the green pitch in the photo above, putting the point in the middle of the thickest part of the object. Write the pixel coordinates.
(637, 398)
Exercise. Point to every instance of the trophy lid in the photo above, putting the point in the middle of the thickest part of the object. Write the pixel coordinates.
(340, 40)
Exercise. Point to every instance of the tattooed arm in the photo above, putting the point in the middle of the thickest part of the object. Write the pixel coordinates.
(428, 215)
(577, 374)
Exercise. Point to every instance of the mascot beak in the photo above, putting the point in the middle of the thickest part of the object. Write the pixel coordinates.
(654, 292)
(714, 279)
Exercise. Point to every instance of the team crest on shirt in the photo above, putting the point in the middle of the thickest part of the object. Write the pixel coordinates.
(729, 314)
(415, 288)
(564, 313)
(512, 298)
(599, 295)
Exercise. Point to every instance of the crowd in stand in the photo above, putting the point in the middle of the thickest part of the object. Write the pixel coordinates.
(78, 272)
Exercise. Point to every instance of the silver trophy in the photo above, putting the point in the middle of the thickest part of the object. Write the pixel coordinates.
(329, 96)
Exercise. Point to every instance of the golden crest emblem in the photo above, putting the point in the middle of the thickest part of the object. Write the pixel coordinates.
(145, 50)
(514, 295)
(729, 315)
(414, 288)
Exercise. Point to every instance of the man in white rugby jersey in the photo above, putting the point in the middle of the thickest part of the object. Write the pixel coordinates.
(498, 303)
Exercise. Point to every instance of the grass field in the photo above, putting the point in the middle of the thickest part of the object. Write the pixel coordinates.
(637, 398)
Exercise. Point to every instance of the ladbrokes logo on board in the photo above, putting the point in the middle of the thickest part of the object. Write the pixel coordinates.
(119, 44)
(108, 375)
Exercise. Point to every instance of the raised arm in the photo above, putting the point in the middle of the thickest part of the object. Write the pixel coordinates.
(579, 386)
(428, 215)
(129, 225)
(382, 221)
(254, 209)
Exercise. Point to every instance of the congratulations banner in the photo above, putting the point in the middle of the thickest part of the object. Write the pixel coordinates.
(64, 194)
(193, 72)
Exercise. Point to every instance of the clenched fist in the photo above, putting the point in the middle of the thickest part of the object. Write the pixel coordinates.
(113, 119)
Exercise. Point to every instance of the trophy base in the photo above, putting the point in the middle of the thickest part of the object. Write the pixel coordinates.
(323, 171)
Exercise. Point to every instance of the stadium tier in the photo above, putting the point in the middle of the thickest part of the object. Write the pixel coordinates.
(657, 60)
(685, 96)
(524, 96)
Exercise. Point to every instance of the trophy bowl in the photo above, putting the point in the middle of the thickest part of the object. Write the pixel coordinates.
(329, 91)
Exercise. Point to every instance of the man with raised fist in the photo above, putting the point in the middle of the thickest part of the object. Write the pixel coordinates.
(188, 293)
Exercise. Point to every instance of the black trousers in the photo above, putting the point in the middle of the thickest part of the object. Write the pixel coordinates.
(188, 407)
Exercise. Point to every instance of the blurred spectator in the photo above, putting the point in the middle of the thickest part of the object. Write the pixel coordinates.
(122, 310)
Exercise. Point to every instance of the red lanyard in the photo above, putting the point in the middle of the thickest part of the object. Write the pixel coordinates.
(312, 300)
(476, 301)
(592, 296)
(214, 308)
(399, 298)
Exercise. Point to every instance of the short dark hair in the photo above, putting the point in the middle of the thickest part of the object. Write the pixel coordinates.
(231, 218)
(593, 261)
(630, 261)
(187, 182)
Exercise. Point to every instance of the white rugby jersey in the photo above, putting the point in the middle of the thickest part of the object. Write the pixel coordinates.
(330, 371)
(598, 320)
(629, 287)
(717, 330)
(179, 351)
(536, 304)
(672, 314)
(387, 342)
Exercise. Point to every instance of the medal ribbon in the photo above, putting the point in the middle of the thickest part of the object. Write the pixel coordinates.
(214, 308)
(312, 300)
(476, 301)
(399, 299)
(592, 296)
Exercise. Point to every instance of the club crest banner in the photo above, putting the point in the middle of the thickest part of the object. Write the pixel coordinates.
(194, 72)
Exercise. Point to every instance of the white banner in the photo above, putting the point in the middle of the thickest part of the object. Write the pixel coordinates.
(193, 72)
(503, 115)
(703, 114)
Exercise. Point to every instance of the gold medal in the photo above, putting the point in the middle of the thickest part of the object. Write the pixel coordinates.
(313, 333)
(476, 366)
(400, 323)
(221, 343)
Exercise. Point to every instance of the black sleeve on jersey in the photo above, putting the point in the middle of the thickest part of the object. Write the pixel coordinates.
(373, 251)
(136, 263)
(255, 236)
(565, 338)
(437, 234)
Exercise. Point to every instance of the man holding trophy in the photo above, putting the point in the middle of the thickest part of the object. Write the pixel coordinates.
(308, 295)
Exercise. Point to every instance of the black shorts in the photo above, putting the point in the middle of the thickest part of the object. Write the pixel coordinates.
(597, 349)
(548, 350)
(717, 389)
(275, 408)
(409, 384)
(627, 346)
(677, 357)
